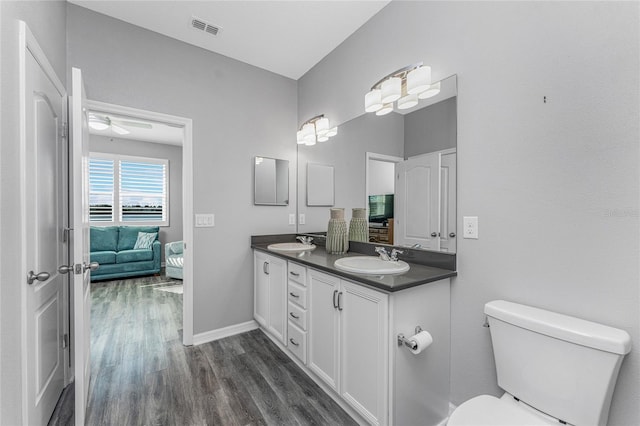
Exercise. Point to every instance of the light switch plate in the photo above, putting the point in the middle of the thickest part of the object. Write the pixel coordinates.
(470, 227)
(292, 218)
(301, 219)
(205, 221)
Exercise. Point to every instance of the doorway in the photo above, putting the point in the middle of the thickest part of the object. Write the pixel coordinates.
(127, 119)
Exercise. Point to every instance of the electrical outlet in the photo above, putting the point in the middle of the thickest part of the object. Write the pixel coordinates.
(470, 227)
(292, 218)
(301, 219)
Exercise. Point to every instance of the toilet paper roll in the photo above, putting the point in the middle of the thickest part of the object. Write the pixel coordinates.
(423, 341)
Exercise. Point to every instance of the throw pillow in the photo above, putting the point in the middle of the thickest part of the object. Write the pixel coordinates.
(145, 240)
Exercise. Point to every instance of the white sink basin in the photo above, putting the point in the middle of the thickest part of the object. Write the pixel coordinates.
(291, 247)
(371, 265)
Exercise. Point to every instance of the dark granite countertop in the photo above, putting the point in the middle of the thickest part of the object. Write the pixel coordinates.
(319, 259)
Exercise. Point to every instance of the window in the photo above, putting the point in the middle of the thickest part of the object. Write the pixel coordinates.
(128, 190)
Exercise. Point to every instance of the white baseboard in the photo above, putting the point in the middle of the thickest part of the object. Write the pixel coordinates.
(220, 333)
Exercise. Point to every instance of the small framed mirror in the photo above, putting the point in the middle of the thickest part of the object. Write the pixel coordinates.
(320, 185)
(271, 182)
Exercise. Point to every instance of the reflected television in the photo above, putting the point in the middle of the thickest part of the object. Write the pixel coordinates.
(380, 208)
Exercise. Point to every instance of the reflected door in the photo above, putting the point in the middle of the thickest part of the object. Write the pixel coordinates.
(417, 208)
(448, 234)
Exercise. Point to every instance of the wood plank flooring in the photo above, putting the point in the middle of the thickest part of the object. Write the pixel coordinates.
(143, 375)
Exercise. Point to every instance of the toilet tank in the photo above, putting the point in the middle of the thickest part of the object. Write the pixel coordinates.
(563, 366)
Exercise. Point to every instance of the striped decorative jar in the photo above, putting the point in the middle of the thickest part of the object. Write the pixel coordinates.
(337, 237)
(359, 226)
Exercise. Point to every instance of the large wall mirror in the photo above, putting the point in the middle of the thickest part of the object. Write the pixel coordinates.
(271, 184)
(401, 167)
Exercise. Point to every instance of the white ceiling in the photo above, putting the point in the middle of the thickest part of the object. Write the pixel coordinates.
(285, 37)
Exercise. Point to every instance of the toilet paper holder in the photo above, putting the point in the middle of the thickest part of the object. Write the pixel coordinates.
(409, 343)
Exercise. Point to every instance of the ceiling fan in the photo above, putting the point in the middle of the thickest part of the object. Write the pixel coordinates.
(103, 122)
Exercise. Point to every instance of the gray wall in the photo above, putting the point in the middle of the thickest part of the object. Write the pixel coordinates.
(173, 153)
(555, 185)
(430, 129)
(238, 111)
(47, 21)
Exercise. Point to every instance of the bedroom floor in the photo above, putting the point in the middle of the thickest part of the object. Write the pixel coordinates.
(141, 374)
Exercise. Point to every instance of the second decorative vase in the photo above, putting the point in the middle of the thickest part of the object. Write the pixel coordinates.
(359, 227)
(337, 238)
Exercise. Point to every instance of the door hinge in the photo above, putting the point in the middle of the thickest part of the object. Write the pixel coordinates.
(64, 130)
(65, 234)
(65, 341)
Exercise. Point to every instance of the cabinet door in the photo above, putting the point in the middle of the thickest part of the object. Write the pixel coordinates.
(260, 288)
(324, 342)
(277, 320)
(364, 342)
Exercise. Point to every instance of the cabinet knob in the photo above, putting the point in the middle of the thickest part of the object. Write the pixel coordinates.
(293, 342)
(452, 235)
(433, 234)
(294, 315)
(294, 295)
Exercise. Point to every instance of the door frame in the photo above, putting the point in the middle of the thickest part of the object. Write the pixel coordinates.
(187, 198)
(27, 43)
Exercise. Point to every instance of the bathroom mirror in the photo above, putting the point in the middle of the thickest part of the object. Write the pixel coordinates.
(371, 145)
(271, 181)
(320, 185)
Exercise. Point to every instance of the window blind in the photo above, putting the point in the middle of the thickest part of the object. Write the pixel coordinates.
(143, 189)
(101, 184)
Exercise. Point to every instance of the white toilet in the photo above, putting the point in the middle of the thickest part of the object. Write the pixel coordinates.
(553, 367)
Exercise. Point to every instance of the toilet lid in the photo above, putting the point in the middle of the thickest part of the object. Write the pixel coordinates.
(486, 410)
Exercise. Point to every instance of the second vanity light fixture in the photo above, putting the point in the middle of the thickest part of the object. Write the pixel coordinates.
(406, 86)
(316, 129)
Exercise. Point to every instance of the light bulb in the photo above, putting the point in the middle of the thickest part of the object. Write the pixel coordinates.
(391, 90)
(407, 101)
(418, 80)
(433, 90)
(386, 109)
(322, 126)
(373, 100)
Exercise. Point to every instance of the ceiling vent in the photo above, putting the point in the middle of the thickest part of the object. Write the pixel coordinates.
(202, 25)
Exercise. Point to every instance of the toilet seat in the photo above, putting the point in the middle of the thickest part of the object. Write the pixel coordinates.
(487, 410)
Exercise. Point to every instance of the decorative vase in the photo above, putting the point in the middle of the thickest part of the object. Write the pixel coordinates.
(359, 226)
(337, 237)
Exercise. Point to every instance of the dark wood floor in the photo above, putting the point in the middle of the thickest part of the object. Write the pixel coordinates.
(143, 375)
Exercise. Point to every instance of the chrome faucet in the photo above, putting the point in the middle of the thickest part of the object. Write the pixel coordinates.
(394, 254)
(384, 255)
(305, 240)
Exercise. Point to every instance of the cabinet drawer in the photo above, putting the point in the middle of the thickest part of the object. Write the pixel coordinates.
(297, 342)
(297, 273)
(297, 316)
(297, 294)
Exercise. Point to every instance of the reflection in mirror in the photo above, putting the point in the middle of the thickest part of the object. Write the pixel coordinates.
(419, 145)
(271, 182)
(320, 185)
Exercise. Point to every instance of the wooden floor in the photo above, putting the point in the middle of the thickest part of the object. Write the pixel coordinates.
(143, 375)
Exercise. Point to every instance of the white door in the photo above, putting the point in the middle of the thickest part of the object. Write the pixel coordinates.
(43, 115)
(79, 168)
(324, 331)
(448, 234)
(364, 342)
(417, 212)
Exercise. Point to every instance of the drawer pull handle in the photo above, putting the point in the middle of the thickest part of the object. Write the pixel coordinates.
(293, 342)
(294, 295)
(294, 315)
(335, 292)
(295, 274)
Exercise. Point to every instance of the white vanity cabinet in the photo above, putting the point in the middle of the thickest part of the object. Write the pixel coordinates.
(348, 342)
(270, 301)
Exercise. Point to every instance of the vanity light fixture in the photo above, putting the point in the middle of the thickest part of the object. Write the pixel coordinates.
(405, 86)
(316, 129)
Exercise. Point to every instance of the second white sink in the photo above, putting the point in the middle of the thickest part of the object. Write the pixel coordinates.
(291, 247)
(371, 265)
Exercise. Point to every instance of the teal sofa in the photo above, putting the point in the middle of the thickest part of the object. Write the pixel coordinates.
(112, 248)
